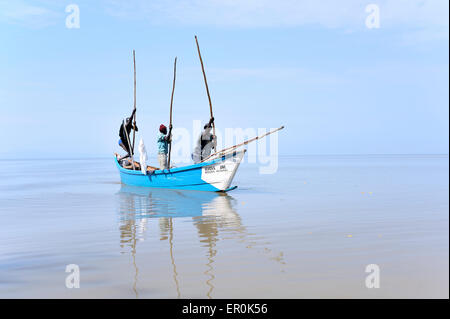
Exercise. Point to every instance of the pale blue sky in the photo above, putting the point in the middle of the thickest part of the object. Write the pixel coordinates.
(313, 66)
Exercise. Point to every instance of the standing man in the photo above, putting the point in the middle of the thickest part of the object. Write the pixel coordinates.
(124, 133)
(206, 142)
(163, 141)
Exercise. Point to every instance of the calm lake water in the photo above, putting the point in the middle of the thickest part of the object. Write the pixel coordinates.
(308, 231)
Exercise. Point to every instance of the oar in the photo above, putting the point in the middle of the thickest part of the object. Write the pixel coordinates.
(206, 84)
(171, 103)
(244, 143)
(134, 118)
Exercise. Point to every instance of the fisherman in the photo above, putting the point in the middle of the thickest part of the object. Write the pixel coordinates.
(124, 133)
(205, 143)
(163, 141)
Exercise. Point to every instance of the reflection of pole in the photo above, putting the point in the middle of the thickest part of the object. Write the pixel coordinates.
(128, 232)
(175, 274)
(208, 231)
(133, 252)
(212, 253)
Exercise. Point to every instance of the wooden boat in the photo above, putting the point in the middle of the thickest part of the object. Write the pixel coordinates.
(214, 175)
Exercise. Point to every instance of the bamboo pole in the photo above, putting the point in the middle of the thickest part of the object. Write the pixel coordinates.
(243, 143)
(134, 117)
(171, 103)
(206, 84)
(128, 140)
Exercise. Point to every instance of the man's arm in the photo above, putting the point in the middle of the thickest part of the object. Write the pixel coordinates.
(129, 126)
(209, 124)
(169, 135)
(132, 119)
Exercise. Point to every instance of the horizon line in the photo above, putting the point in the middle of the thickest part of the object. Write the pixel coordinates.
(292, 155)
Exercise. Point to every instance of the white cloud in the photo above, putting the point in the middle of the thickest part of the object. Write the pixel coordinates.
(415, 21)
(269, 13)
(238, 13)
(26, 14)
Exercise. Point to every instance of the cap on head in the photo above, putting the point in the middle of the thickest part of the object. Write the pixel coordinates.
(163, 129)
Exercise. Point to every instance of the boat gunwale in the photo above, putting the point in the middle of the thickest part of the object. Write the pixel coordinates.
(177, 169)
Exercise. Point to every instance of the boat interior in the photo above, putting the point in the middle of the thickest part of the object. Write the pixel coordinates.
(126, 163)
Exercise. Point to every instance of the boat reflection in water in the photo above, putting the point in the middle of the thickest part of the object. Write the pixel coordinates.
(208, 211)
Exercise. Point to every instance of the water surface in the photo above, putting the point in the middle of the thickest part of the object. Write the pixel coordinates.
(307, 231)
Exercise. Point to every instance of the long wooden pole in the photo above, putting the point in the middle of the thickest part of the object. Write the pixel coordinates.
(134, 118)
(206, 84)
(128, 140)
(244, 143)
(171, 103)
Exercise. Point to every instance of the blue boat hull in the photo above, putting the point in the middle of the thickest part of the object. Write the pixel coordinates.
(215, 175)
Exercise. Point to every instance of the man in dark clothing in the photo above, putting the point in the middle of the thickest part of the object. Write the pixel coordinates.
(205, 143)
(124, 133)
